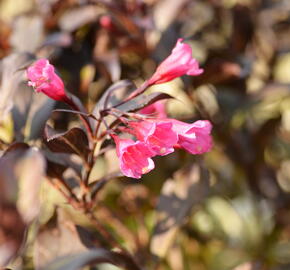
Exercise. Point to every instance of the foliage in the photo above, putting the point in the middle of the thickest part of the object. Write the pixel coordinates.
(65, 204)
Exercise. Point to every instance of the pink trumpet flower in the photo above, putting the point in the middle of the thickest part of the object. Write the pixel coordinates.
(157, 134)
(178, 63)
(134, 157)
(194, 138)
(43, 78)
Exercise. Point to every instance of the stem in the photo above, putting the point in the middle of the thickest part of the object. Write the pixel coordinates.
(59, 184)
(115, 219)
(135, 93)
(96, 186)
(103, 150)
(90, 165)
(83, 118)
(107, 235)
(75, 203)
(119, 114)
(106, 125)
(91, 158)
(98, 127)
(104, 133)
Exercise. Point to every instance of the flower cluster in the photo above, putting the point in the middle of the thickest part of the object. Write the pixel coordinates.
(155, 136)
(160, 137)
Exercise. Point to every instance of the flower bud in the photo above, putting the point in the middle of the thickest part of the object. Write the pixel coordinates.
(178, 63)
(43, 78)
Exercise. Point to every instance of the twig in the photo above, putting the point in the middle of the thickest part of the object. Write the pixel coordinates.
(96, 186)
(74, 202)
(70, 197)
(108, 236)
(84, 120)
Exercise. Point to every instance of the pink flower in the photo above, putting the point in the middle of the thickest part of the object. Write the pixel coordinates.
(194, 138)
(156, 109)
(43, 79)
(135, 157)
(178, 63)
(157, 134)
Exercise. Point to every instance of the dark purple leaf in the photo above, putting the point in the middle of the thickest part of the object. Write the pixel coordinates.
(110, 97)
(54, 169)
(39, 112)
(74, 141)
(18, 146)
(71, 111)
(79, 105)
(142, 101)
(81, 114)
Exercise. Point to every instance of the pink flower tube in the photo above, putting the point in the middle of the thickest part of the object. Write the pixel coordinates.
(157, 134)
(134, 157)
(43, 79)
(194, 138)
(178, 63)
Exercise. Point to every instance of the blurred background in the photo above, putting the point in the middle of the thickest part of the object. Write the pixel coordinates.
(227, 209)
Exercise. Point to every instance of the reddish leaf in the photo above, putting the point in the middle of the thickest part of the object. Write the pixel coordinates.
(18, 146)
(55, 169)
